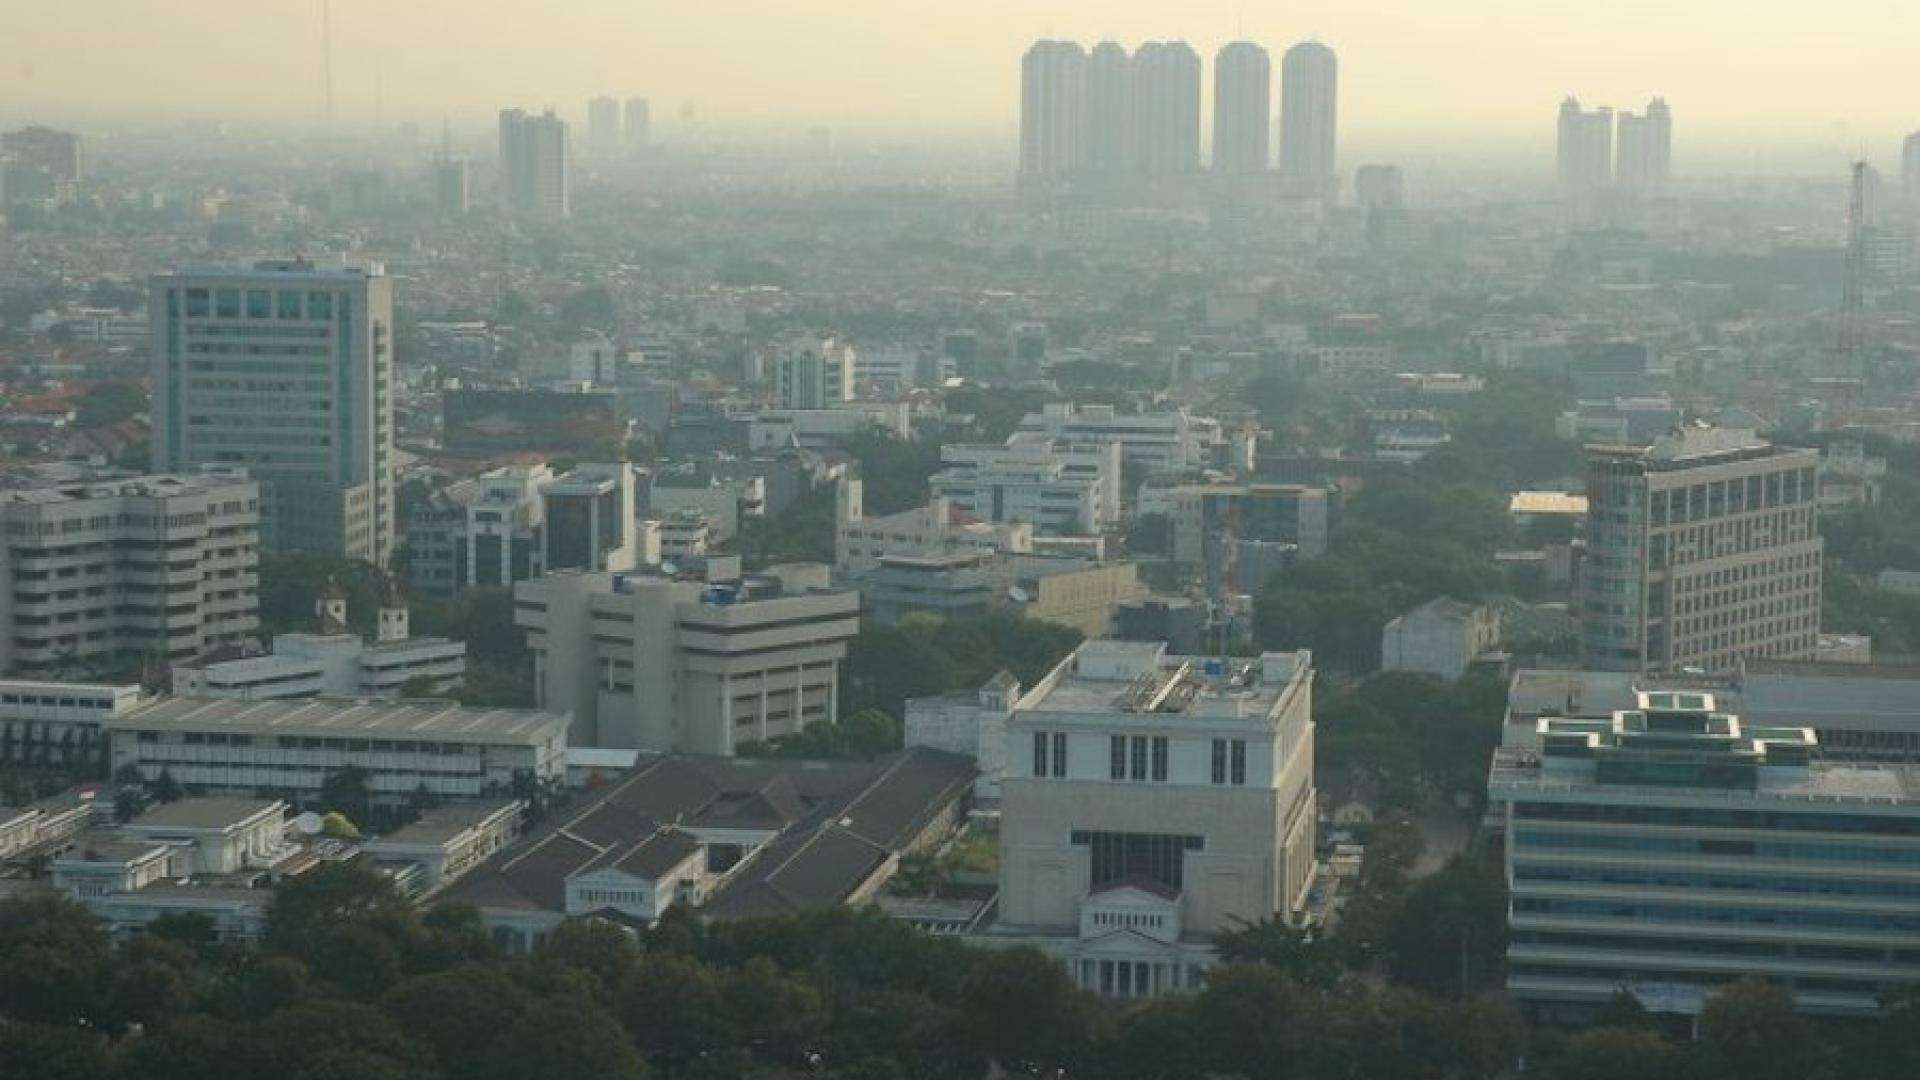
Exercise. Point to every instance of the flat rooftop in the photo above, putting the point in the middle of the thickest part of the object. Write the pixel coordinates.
(1517, 770)
(203, 813)
(63, 482)
(334, 717)
(1121, 677)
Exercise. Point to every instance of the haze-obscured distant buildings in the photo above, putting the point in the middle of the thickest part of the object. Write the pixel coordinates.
(535, 166)
(1309, 112)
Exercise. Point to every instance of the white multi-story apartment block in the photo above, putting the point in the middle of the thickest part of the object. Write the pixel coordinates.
(860, 542)
(813, 373)
(1173, 441)
(1061, 488)
(677, 665)
(101, 570)
(284, 367)
(536, 166)
(1702, 550)
(1150, 801)
(1670, 848)
(333, 665)
(217, 746)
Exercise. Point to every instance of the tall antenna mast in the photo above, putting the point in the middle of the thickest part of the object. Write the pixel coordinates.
(326, 56)
(1850, 351)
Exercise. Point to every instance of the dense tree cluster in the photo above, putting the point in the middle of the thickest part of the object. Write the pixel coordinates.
(926, 655)
(1864, 541)
(352, 981)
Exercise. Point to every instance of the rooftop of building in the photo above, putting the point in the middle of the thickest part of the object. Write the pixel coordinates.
(66, 481)
(1444, 608)
(834, 824)
(204, 813)
(443, 823)
(1546, 502)
(328, 266)
(1142, 677)
(335, 717)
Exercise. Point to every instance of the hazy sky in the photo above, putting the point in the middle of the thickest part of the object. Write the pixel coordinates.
(1791, 69)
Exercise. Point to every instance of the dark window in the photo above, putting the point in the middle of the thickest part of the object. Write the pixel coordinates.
(1139, 757)
(1060, 754)
(1117, 769)
(1158, 857)
(1039, 753)
(1239, 761)
(1219, 761)
(1159, 757)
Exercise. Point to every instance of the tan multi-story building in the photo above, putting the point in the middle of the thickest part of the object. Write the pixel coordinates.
(1150, 801)
(102, 570)
(284, 367)
(1703, 550)
(671, 664)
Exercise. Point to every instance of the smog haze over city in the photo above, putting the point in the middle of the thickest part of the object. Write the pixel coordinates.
(882, 540)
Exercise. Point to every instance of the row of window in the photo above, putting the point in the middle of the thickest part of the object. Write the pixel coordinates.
(234, 303)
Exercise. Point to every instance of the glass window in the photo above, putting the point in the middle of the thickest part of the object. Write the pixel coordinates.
(287, 303)
(1060, 754)
(197, 303)
(226, 303)
(1219, 761)
(1117, 766)
(1139, 757)
(1039, 753)
(1239, 761)
(320, 306)
(259, 304)
(1159, 757)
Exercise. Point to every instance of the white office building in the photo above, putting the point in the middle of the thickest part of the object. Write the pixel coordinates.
(519, 521)
(1061, 488)
(1151, 801)
(285, 368)
(102, 570)
(1670, 848)
(1171, 441)
(936, 529)
(679, 665)
(339, 665)
(59, 723)
(813, 373)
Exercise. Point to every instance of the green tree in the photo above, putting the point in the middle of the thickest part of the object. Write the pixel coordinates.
(1018, 1006)
(53, 1053)
(54, 961)
(330, 895)
(1611, 1053)
(563, 1040)
(1749, 1029)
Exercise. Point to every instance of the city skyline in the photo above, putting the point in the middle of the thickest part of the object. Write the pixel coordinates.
(945, 68)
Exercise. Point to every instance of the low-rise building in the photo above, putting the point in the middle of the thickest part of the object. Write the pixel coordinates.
(55, 722)
(519, 521)
(449, 841)
(1442, 637)
(936, 530)
(1174, 441)
(449, 751)
(971, 724)
(679, 664)
(731, 839)
(1672, 848)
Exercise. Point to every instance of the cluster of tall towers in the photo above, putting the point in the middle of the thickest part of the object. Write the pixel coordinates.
(1103, 120)
(1592, 157)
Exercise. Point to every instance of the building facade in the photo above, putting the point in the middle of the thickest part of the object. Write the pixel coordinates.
(1309, 114)
(1171, 441)
(1585, 148)
(1645, 158)
(284, 368)
(1053, 103)
(535, 166)
(1703, 550)
(1150, 801)
(1060, 488)
(102, 571)
(1242, 109)
(1441, 638)
(220, 747)
(1671, 848)
(813, 373)
(674, 664)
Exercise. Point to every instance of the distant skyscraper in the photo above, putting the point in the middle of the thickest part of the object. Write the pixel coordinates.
(1910, 169)
(451, 193)
(38, 163)
(1166, 96)
(1242, 108)
(284, 367)
(639, 126)
(1379, 187)
(1645, 157)
(1309, 114)
(534, 165)
(603, 123)
(1053, 113)
(1586, 148)
(1109, 131)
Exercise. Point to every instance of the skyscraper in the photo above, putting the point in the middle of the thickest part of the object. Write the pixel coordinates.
(1703, 551)
(1910, 170)
(1166, 96)
(534, 165)
(1110, 146)
(603, 123)
(1053, 114)
(1645, 156)
(639, 123)
(1585, 148)
(1379, 187)
(284, 367)
(38, 164)
(1309, 112)
(1242, 106)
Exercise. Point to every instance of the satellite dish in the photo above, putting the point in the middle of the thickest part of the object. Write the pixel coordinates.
(669, 569)
(307, 824)
(1018, 595)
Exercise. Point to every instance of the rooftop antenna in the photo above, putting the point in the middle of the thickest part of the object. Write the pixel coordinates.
(326, 56)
